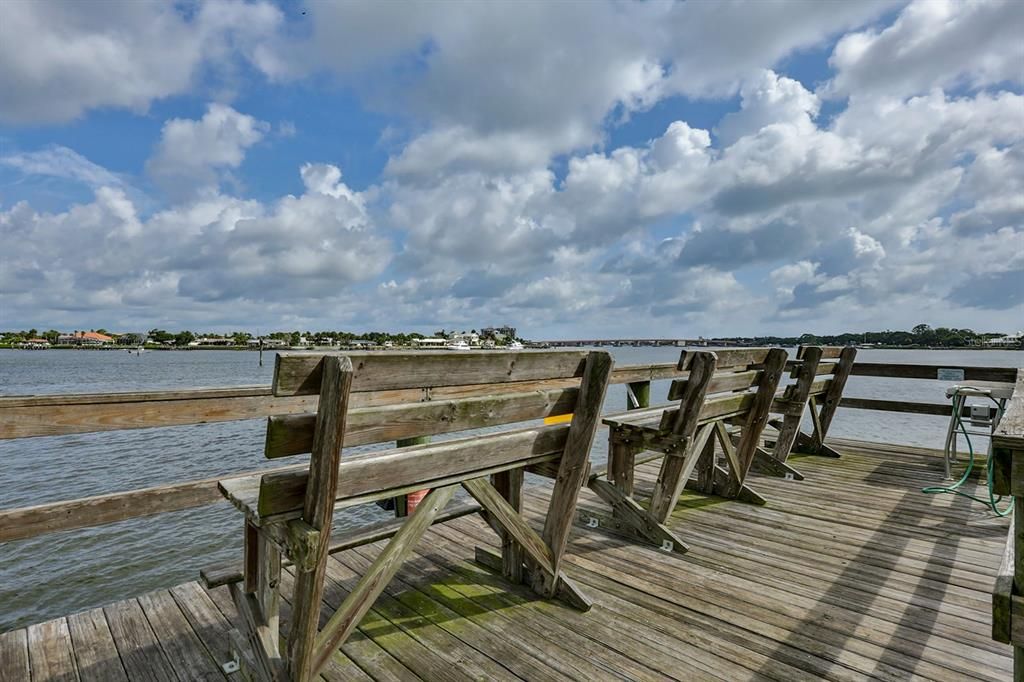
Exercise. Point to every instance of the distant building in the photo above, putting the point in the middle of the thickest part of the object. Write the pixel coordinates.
(470, 338)
(1010, 340)
(34, 344)
(498, 333)
(84, 339)
(432, 342)
(213, 341)
(267, 343)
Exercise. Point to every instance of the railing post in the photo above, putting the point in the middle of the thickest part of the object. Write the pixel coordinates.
(1008, 479)
(403, 504)
(641, 390)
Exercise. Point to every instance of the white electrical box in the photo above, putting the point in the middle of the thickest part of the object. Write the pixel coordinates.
(979, 415)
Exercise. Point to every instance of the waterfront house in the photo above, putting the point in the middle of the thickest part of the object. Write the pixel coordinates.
(84, 339)
(1009, 341)
(432, 342)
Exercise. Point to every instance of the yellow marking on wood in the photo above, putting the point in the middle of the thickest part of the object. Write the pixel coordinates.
(558, 419)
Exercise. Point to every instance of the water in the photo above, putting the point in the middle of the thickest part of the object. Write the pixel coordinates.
(64, 572)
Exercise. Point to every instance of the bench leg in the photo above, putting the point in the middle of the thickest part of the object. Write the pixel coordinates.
(766, 463)
(566, 589)
(630, 520)
(510, 485)
(621, 462)
(721, 484)
(258, 602)
(808, 445)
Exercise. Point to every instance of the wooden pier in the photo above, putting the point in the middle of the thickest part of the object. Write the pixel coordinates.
(849, 574)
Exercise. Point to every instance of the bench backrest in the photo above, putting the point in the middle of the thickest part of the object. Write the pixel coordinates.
(825, 392)
(725, 382)
(395, 395)
(734, 386)
(832, 367)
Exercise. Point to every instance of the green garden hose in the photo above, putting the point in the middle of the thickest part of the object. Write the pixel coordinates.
(992, 501)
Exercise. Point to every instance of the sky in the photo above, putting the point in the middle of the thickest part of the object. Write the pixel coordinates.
(574, 169)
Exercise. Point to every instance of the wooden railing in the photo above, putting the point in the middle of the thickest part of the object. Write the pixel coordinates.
(55, 415)
(1008, 479)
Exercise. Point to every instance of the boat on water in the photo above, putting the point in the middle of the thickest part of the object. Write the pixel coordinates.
(457, 345)
(515, 345)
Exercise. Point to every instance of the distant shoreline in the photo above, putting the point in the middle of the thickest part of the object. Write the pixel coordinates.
(147, 349)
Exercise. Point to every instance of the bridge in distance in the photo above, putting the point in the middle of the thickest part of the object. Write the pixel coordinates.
(568, 343)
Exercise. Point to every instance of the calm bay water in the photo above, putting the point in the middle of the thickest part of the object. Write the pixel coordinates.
(69, 571)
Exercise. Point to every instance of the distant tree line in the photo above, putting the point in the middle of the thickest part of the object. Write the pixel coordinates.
(921, 335)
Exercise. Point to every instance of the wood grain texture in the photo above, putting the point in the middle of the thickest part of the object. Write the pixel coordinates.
(508, 519)
(372, 583)
(318, 495)
(292, 435)
(727, 357)
(906, 371)
(379, 471)
(95, 651)
(51, 654)
(31, 416)
(575, 462)
(729, 381)
(299, 373)
(757, 418)
(14, 666)
(1010, 432)
(798, 393)
(140, 652)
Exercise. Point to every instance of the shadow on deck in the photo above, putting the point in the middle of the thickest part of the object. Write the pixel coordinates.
(850, 574)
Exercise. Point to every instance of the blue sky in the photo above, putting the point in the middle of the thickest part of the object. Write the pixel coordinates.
(573, 169)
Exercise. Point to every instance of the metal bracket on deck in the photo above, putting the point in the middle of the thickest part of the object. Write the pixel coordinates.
(593, 522)
(788, 476)
(231, 666)
(667, 545)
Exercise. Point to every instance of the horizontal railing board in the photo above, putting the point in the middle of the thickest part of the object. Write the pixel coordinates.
(98, 510)
(299, 373)
(55, 415)
(95, 413)
(378, 472)
(906, 406)
(901, 371)
(293, 434)
(729, 357)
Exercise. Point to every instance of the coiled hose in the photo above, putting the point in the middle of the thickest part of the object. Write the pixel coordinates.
(993, 501)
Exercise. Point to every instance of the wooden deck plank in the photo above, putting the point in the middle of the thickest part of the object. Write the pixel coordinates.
(14, 656)
(180, 643)
(359, 659)
(140, 652)
(50, 651)
(420, 627)
(205, 619)
(499, 647)
(675, 658)
(525, 613)
(94, 647)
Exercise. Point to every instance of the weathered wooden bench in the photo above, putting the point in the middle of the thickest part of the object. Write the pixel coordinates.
(816, 384)
(725, 388)
(372, 398)
(822, 390)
